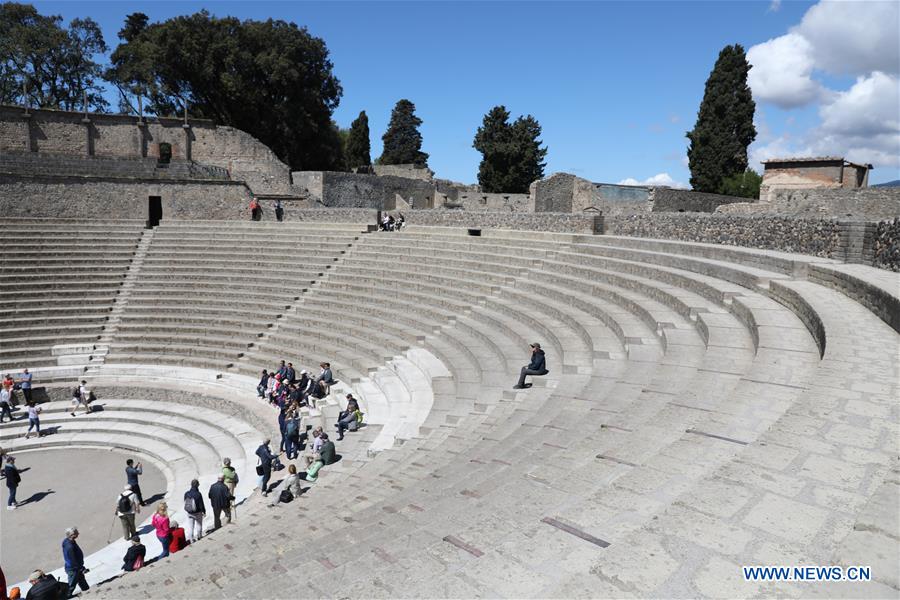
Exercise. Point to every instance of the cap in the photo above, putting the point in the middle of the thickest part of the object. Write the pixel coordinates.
(127, 487)
(536, 345)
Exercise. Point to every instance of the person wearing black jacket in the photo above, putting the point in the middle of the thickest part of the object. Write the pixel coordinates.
(193, 499)
(537, 366)
(137, 549)
(43, 587)
(220, 499)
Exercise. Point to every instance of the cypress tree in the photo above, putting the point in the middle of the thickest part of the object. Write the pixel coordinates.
(358, 147)
(402, 140)
(512, 156)
(724, 127)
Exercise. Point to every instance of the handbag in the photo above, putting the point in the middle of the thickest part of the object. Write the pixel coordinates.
(259, 468)
(286, 496)
(138, 563)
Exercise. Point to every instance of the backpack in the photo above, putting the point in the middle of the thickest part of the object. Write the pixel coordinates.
(190, 505)
(124, 503)
(286, 496)
(291, 428)
(76, 393)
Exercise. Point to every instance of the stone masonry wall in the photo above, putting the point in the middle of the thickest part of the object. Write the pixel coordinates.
(353, 190)
(85, 197)
(818, 237)
(54, 132)
(674, 200)
(553, 222)
(483, 201)
(886, 244)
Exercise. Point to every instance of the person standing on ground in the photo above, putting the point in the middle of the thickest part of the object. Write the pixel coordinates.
(220, 500)
(74, 559)
(126, 509)
(25, 384)
(279, 210)
(196, 510)
(229, 475)
(131, 475)
(5, 406)
(163, 528)
(255, 209)
(34, 420)
(81, 397)
(537, 366)
(13, 479)
(264, 469)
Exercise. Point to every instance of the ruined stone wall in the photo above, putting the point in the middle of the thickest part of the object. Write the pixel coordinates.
(886, 244)
(482, 201)
(675, 200)
(554, 194)
(357, 190)
(86, 197)
(818, 237)
(553, 222)
(865, 204)
(407, 171)
(52, 132)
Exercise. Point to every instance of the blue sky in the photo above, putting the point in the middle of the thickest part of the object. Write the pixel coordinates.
(614, 85)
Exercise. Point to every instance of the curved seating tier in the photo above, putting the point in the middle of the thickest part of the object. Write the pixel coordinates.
(707, 407)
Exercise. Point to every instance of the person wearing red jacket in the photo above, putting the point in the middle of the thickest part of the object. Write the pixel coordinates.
(176, 535)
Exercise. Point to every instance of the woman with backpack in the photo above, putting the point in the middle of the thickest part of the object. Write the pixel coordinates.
(196, 510)
(289, 488)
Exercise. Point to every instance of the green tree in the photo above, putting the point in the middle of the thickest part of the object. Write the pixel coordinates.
(46, 65)
(724, 127)
(512, 157)
(744, 185)
(269, 78)
(402, 140)
(358, 152)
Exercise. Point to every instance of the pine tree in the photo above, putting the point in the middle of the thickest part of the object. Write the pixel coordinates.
(358, 146)
(512, 157)
(402, 140)
(724, 127)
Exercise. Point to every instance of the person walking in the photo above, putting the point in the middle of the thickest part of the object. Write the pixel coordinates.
(5, 406)
(13, 479)
(255, 209)
(229, 475)
(25, 384)
(279, 210)
(220, 500)
(74, 560)
(264, 468)
(132, 472)
(126, 508)
(34, 421)
(537, 366)
(163, 528)
(196, 510)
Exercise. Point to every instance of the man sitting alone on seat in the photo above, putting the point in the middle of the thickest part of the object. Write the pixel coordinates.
(537, 366)
(324, 380)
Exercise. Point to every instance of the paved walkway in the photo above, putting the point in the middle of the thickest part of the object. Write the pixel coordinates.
(59, 489)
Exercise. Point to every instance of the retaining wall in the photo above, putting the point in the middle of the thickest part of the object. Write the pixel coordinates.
(57, 132)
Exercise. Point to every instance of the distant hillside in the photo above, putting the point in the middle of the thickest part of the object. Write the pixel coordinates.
(894, 183)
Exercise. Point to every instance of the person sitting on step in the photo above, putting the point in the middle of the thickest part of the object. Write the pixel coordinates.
(537, 366)
(324, 381)
(350, 418)
(134, 557)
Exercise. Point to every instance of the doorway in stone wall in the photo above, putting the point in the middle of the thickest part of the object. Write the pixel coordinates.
(154, 211)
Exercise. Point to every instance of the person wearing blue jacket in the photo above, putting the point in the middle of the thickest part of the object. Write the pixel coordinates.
(537, 366)
(265, 466)
(74, 559)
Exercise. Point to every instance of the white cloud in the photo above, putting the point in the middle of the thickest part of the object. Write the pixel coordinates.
(861, 124)
(774, 6)
(853, 37)
(782, 71)
(662, 179)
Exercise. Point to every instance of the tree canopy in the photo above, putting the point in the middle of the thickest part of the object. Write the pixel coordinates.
(724, 127)
(402, 140)
(358, 145)
(744, 185)
(269, 78)
(45, 65)
(512, 157)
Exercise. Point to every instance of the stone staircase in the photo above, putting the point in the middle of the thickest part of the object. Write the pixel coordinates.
(708, 407)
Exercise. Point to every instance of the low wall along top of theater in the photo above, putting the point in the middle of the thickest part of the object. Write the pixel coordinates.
(59, 132)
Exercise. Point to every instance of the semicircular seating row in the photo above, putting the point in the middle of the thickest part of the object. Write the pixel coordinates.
(706, 405)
